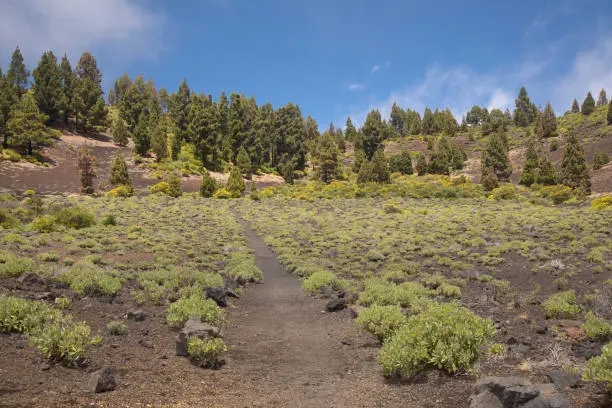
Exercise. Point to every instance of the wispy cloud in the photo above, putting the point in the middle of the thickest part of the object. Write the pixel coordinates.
(74, 26)
(539, 24)
(375, 68)
(356, 87)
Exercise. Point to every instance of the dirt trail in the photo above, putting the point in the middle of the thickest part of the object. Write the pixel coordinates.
(287, 352)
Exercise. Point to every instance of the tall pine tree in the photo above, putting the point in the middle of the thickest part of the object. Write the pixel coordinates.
(495, 157)
(67, 81)
(588, 105)
(525, 112)
(17, 75)
(27, 125)
(575, 106)
(373, 133)
(603, 98)
(574, 171)
(549, 121)
(47, 86)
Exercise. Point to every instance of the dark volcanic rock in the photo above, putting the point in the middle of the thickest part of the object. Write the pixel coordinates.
(219, 295)
(194, 327)
(563, 379)
(516, 392)
(335, 305)
(136, 315)
(102, 380)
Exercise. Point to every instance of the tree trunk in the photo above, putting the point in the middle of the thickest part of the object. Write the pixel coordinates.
(29, 147)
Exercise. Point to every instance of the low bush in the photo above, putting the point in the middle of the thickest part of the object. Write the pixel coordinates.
(63, 302)
(49, 257)
(223, 194)
(160, 188)
(208, 186)
(54, 334)
(504, 192)
(121, 191)
(117, 328)
(109, 220)
(242, 268)
(600, 159)
(75, 217)
(602, 202)
(180, 311)
(557, 194)
(90, 280)
(411, 295)
(44, 223)
(13, 267)
(7, 220)
(206, 353)
(597, 328)
(174, 186)
(445, 336)
(318, 280)
(381, 321)
(600, 368)
(561, 305)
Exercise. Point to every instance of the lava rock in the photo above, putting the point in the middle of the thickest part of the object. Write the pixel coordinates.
(146, 343)
(136, 315)
(102, 380)
(335, 305)
(516, 392)
(30, 278)
(194, 327)
(563, 379)
(355, 310)
(219, 295)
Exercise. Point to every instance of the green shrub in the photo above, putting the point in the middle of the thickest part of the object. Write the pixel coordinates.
(75, 217)
(180, 311)
(411, 295)
(600, 159)
(206, 353)
(7, 220)
(504, 192)
(109, 220)
(235, 183)
(242, 268)
(160, 188)
(208, 186)
(122, 191)
(597, 328)
(381, 321)
(89, 280)
(44, 223)
(401, 163)
(223, 194)
(54, 334)
(557, 194)
(561, 305)
(600, 368)
(318, 280)
(65, 342)
(445, 336)
(14, 267)
(117, 328)
(174, 186)
(602, 202)
(49, 257)
(63, 303)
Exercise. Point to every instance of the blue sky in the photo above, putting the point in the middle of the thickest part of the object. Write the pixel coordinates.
(334, 57)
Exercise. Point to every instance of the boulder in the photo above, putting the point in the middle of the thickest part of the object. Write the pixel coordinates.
(516, 392)
(136, 315)
(335, 305)
(102, 380)
(564, 379)
(219, 295)
(30, 278)
(194, 327)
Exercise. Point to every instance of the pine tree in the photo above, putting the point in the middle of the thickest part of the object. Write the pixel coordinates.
(179, 111)
(575, 107)
(531, 167)
(441, 159)
(495, 157)
(326, 157)
(603, 98)
(141, 137)
(525, 112)
(133, 102)
(85, 163)
(549, 121)
(488, 179)
(421, 164)
(8, 99)
(120, 133)
(119, 175)
(98, 115)
(588, 105)
(349, 130)
(547, 175)
(380, 167)
(175, 147)
(159, 141)
(208, 186)
(610, 113)
(401, 163)
(340, 142)
(87, 94)
(397, 119)
(360, 158)
(243, 161)
(235, 183)
(27, 125)
(17, 75)
(67, 80)
(574, 172)
(428, 124)
(415, 127)
(366, 173)
(47, 86)
(372, 132)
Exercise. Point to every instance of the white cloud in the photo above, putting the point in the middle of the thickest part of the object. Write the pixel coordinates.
(500, 99)
(74, 26)
(375, 68)
(356, 87)
(591, 71)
